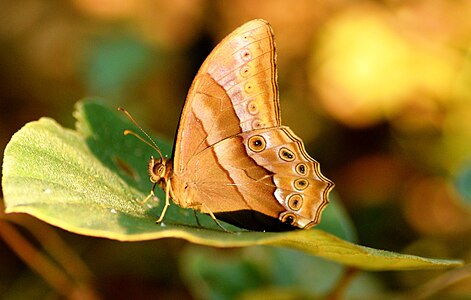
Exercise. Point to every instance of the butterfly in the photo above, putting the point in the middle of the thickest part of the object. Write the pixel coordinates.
(232, 158)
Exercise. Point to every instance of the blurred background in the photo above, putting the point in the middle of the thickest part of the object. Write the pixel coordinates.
(380, 92)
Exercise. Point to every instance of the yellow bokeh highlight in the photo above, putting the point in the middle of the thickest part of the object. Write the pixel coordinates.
(366, 69)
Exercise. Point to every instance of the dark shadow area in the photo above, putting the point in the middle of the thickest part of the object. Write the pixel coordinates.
(254, 220)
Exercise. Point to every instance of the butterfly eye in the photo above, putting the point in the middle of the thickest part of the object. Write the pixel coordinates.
(287, 154)
(295, 202)
(288, 218)
(159, 170)
(156, 170)
(301, 169)
(301, 184)
(257, 143)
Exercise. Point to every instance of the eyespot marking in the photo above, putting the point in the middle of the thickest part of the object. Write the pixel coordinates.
(245, 71)
(286, 154)
(295, 201)
(252, 107)
(257, 124)
(245, 55)
(288, 218)
(301, 169)
(256, 143)
(248, 87)
(300, 184)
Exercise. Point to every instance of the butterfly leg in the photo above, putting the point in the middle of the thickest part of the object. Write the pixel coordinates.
(167, 203)
(151, 195)
(199, 205)
(219, 224)
(197, 219)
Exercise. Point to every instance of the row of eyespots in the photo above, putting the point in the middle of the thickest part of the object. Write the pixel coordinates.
(253, 110)
(257, 143)
(244, 72)
(252, 107)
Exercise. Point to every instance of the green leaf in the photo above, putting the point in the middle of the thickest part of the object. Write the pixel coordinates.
(87, 181)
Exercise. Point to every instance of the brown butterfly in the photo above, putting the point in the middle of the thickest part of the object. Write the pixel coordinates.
(232, 158)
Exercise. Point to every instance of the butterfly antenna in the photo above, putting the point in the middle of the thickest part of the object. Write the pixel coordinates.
(126, 132)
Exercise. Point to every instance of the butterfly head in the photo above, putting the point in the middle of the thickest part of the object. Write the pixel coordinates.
(158, 169)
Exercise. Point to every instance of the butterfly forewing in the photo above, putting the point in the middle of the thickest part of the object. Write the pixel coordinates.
(234, 91)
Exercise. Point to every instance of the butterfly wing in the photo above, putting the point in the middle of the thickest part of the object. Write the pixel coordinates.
(231, 111)
(255, 179)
